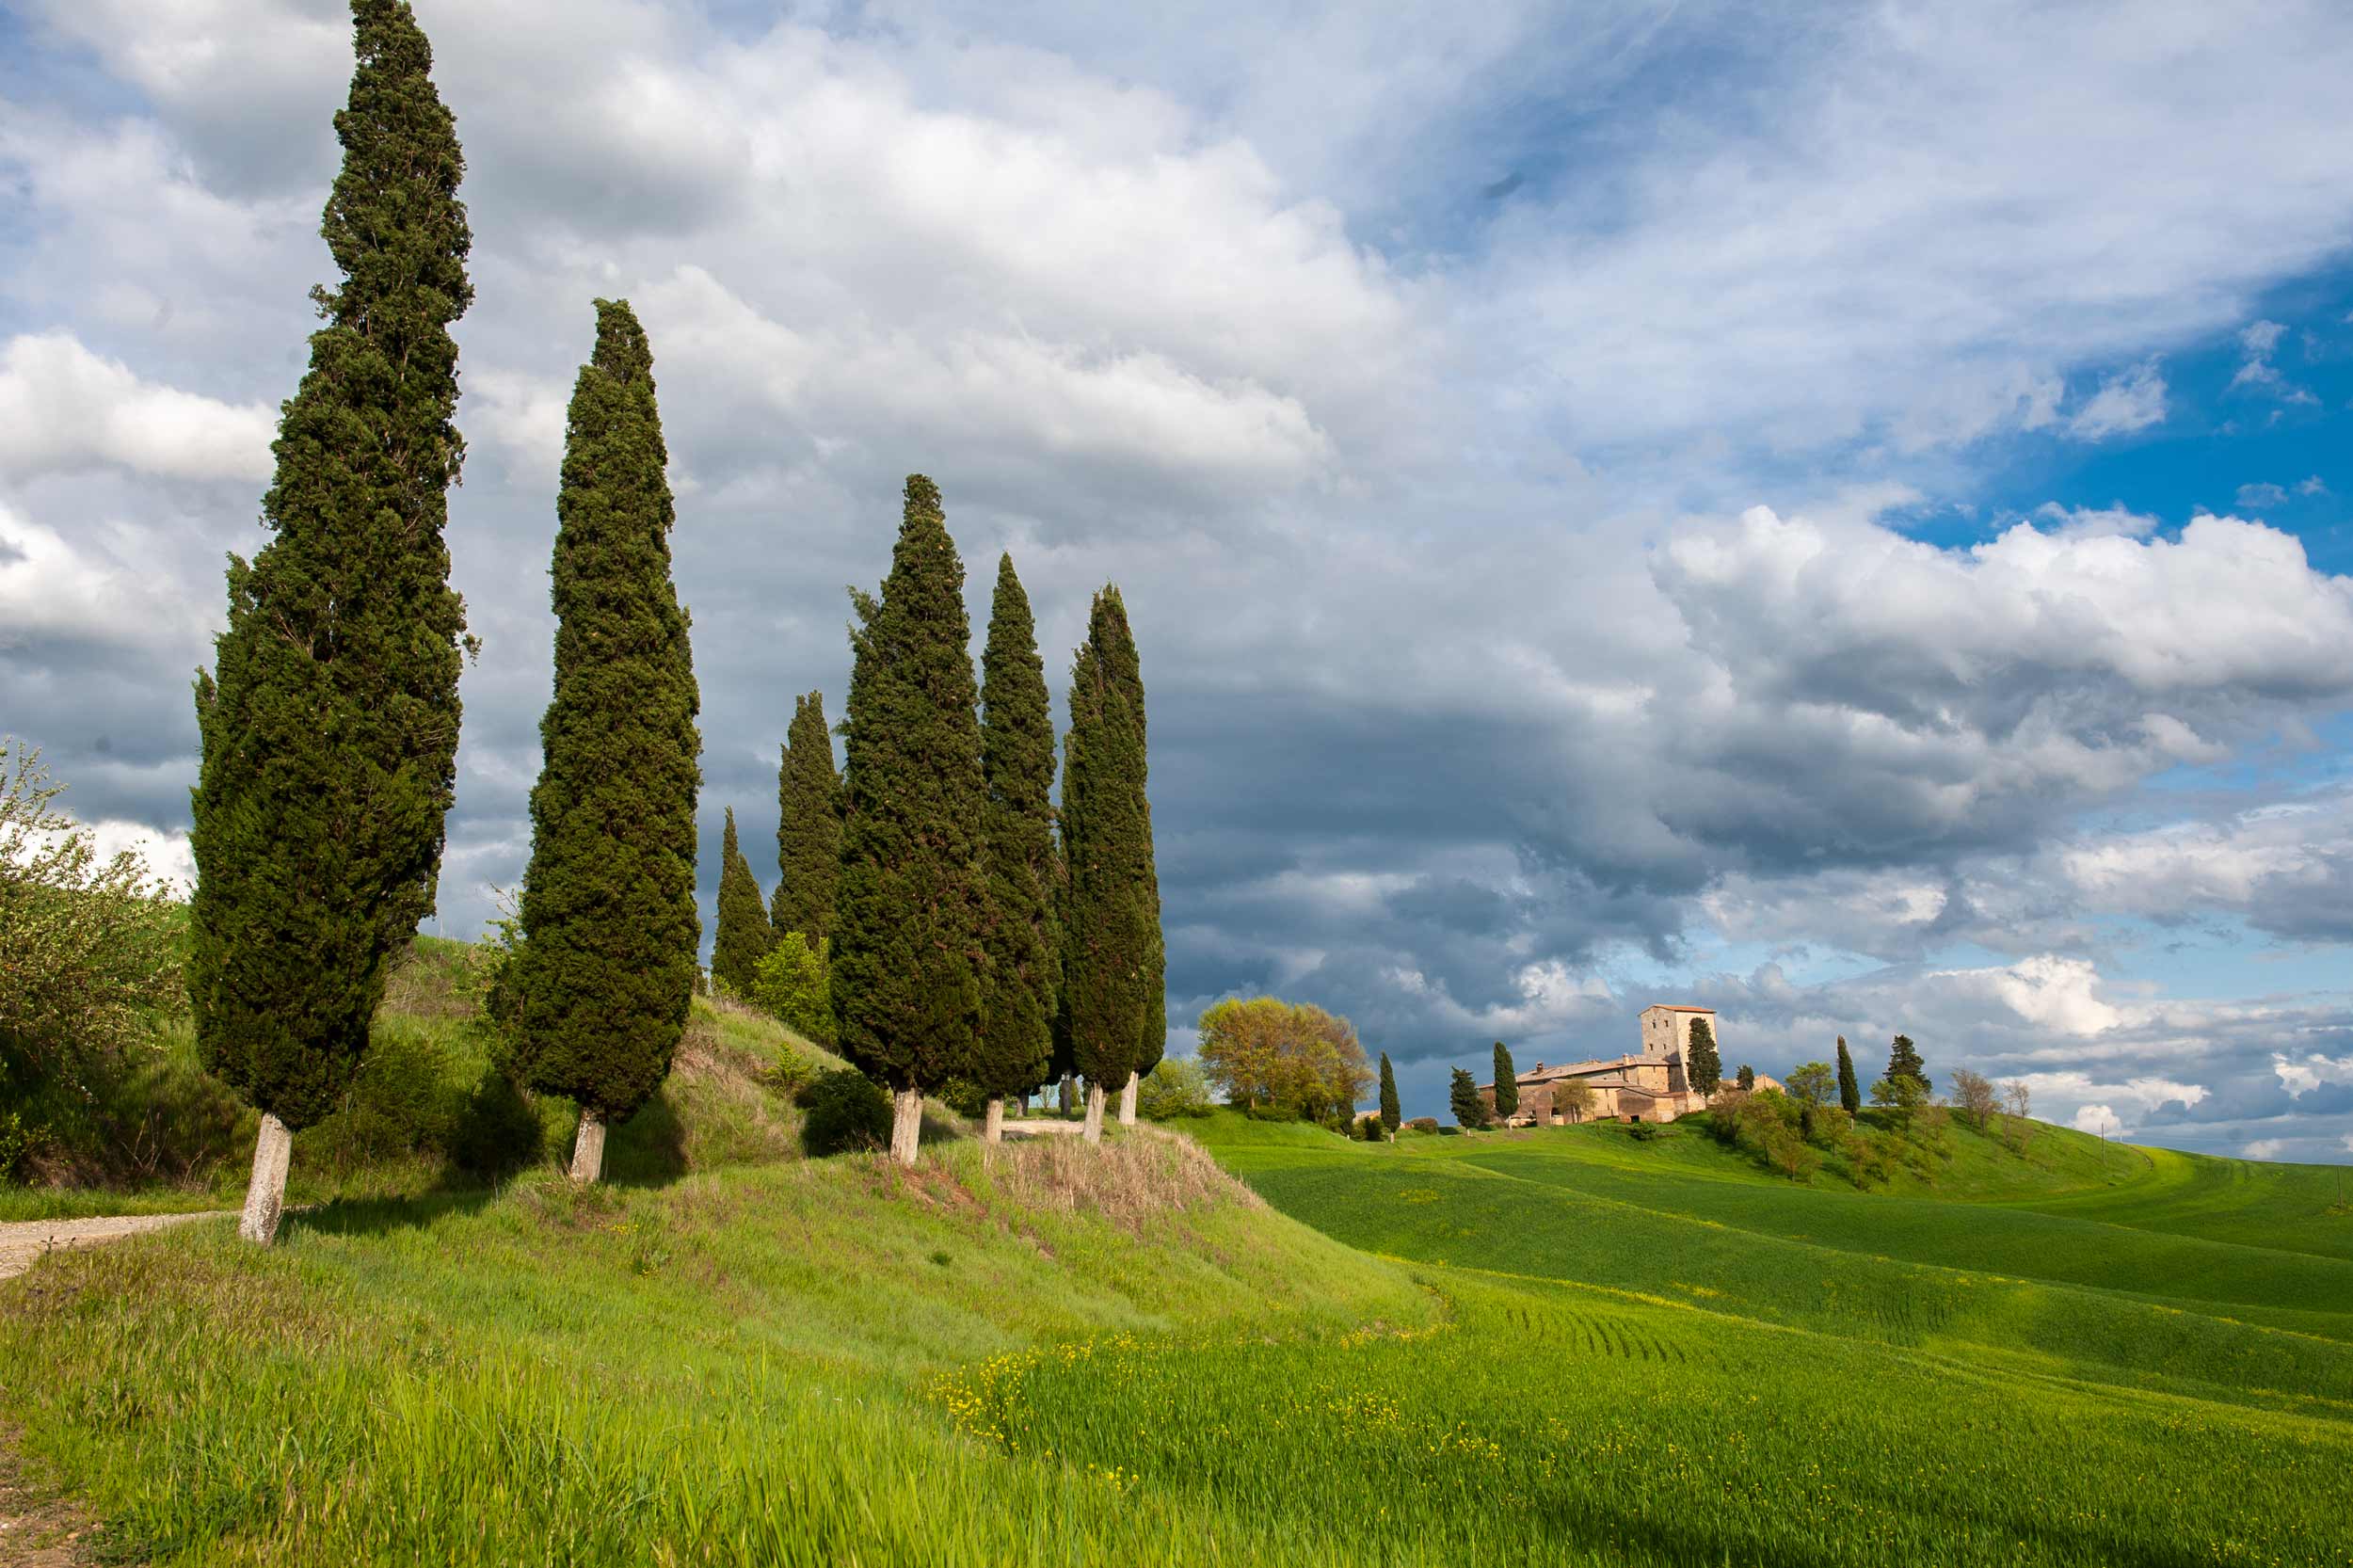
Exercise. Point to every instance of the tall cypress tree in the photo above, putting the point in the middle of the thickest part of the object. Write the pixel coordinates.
(1850, 1092)
(1903, 1060)
(1704, 1068)
(744, 937)
(329, 723)
(1111, 925)
(610, 929)
(808, 826)
(1017, 768)
(1391, 1115)
(908, 912)
(1507, 1084)
(1116, 646)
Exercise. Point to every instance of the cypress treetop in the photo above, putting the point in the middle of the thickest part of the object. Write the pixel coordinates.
(329, 724)
(1507, 1083)
(1849, 1090)
(1391, 1115)
(1017, 768)
(808, 826)
(907, 961)
(610, 928)
(744, 937)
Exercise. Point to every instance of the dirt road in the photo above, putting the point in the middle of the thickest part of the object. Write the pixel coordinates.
(24, 1242)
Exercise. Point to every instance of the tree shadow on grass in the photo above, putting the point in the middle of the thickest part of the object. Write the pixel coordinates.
(649, 1149)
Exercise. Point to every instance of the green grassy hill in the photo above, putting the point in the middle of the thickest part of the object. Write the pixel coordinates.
(1561, 1347)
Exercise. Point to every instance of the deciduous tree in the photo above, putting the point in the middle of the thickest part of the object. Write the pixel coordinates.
(1814, 1083)
(1574, 1096)
(606, 971)
(908, 964)
(1975, 1093)
(330, 722)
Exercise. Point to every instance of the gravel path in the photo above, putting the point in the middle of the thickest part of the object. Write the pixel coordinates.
(24, 1242)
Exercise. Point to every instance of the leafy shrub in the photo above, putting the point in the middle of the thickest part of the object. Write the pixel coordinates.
(16, 1141)
(1423, 1124)
(498, 1129)
(846, 1111)
(1175, 1087)
(793, 985)
(400, 1102)
(1372, 1131)
(965, 1098)
(1642, 1132)
(790, 1076)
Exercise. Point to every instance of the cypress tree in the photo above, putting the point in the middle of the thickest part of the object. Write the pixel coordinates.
(1391, 1116)
(912, 901)
(1903, 1060)
(744, 937)
(1463, 1098)
(1850, 1092)
(607, 968)
(330, 722)
(808, 826)
(1017, 826)
(1111, 925)
(1507, 1084)
(1704, 1068)
(1116, 646)
(1746, 1077)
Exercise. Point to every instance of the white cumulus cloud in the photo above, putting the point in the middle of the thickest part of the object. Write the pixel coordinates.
(64, 408)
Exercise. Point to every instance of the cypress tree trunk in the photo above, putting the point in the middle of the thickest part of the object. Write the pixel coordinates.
(745, 937)
(808, 826)
(1127, 1099)
(1094, 1112)
(993, 1124)
(907, 1124)
(1069, 1092)
(329, 724)
(607, 968)
(908, 961)
(589, 1148)
(1017, 1040)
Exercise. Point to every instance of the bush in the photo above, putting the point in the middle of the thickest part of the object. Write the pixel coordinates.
(790, 1076)
(846, 1111)
(1642, 1132)
(1372, 1131)
(1175, 1087)
(965, 1098)
(499, 1129)
(399, 1103)
(793, 985)
(1422, 1124)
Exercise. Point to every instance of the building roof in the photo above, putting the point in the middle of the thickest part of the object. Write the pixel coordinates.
(1678, 1007)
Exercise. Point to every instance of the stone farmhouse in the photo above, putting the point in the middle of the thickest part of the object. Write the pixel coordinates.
(1648, 1086)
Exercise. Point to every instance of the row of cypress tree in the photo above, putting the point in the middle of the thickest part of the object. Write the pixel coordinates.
(329, 728)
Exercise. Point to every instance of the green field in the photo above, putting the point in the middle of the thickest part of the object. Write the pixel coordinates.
(1565, 1346)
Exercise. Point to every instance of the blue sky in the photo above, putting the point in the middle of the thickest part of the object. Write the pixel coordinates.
(1835, 511)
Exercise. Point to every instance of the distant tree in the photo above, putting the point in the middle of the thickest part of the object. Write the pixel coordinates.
(809, 825)
(1391, 1115)
(1814, 1083)
(1112, 954)
(1850, 1092)
(1463, 1098)
(1903, 1060)
(1298, 1057)
(792, 984)
(1977, 1098)
(1507, 1085)
(745, 937)
(907, 958)
(1703, 1067)
(328, 724)
(1175, 1086)
(1575, 1096)
(2015, 1099)
(1747, 1078)
(1016, 1041)
(1900, 1095)
(606, 970)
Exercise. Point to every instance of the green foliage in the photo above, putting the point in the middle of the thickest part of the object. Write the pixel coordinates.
(1746, 1077)
(847, 1111)
(1812, 1083)
(1368, 1129)
(1112, 963)
(1470, 1111)
(1703, 1067)
(88, 946)
(1507, 1084)
(608, 967)
(330, 722)
(1850, 1092)
(743, 936)
(1389, 1112)
(1174, 1087)
(1293, 1059)
(809, 825)
(1423, 1124)
(1903, 1060)
(1016, 1046)
(792, 983)
(1901, 1097)
(907, 960)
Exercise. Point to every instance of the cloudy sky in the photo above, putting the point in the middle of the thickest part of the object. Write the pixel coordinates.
(1833, 511)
